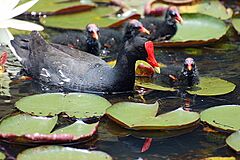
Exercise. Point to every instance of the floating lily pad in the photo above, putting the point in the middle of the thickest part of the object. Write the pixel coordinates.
(28, 132)
(233, 141)
(219, 158)
(197, 29)
(2, 156)
(153, 86)
(59, 6)
(212, 8)
(139, 116)
(79, 105)
(212, 86)
(61, 153)
(79, 129)
(4, 84)
(225, 117)
(102, 16)
(177, 2)
(10, 125)
(236, 23)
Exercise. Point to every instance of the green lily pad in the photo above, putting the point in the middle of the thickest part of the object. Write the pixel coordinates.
(212, 8)
(138, 116)
(225, 117)
(10, 125)
(4, 84)
(197, 29)
(153, 86)
(100, 16)
(2, 156)
(212, 86)
(236, 23)
(59, 6)
(233, 141)
(61, 153)
(79, 105)
(219, 158)
(78, 129)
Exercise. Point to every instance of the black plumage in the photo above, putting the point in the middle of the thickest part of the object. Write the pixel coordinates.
(71, 69)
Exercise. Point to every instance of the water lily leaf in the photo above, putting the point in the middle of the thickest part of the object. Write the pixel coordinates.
(153, 86)
(2, 156)
(146, 119)
(79, 105)
(177, 2)
(225, 117)
(59, 7)
(209, 7)
(212, 86)
(10, 125)
(233, 141)
(197, 29)
(4, 84)
(61, 153)
(236, 23)
(79, 129)
(219, 158)
(100, 16)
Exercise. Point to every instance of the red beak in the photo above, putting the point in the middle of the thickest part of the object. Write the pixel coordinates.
(189, 67)
(179, 18)
(144, 30)
(95, 35)
(151, 57)
(3, 58)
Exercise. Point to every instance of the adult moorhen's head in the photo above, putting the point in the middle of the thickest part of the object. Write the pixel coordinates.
(172, 15)
(140, 48)
(133, 28)
(93, 31)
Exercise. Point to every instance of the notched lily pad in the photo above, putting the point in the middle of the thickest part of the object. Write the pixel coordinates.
(236, 24)
(2, 156)
(233, 141)
(59, 6)
(61, 153)
(28, 132)
(197, 29)
(102, 16)
(138, 116)
(225, 117)
(79, 105)
(212, 86)
(219, 158)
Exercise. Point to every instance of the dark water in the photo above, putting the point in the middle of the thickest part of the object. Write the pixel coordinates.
(221, 59)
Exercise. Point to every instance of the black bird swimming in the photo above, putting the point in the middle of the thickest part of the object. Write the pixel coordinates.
(186, 75)
(163, 29)
(76, 70)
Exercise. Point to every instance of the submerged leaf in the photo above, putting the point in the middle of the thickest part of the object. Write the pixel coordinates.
(124, 113)
(234, 141)
(61, 153)
(236, 23)
(225, 117)
(79, 105)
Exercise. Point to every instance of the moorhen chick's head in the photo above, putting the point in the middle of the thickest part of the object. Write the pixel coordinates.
(172, 15)
(93, 44)
(190, 72)
(133, 28)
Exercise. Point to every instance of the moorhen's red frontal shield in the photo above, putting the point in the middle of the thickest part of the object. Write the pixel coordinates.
(151, 57)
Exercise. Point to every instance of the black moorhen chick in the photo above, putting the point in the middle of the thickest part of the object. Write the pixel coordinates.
(185, 76)
(112, 40)
(87, 41)
(163, 29)
(76, 70)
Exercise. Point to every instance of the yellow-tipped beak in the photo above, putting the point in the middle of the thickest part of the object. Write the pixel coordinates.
(157, 69)
(95, 35)
(144, 30)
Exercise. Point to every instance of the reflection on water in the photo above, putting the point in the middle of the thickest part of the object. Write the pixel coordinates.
(217, 60)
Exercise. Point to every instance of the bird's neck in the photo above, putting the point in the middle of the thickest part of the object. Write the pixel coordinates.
(93, 46)
(129, 34)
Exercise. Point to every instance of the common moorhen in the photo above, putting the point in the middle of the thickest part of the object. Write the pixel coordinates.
(112, 40)
(163, 29)
(87, 41)
(186, 75)
(76, 70)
